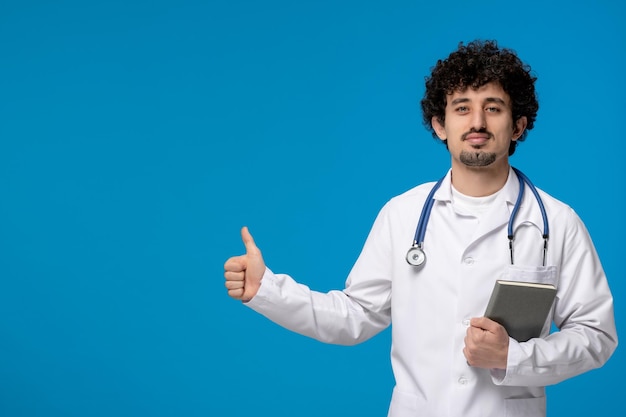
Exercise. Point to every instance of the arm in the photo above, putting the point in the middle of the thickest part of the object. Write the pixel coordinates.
(333, 317)
(583, 312)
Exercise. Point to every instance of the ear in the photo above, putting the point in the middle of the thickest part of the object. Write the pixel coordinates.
(438, 127)
(519, 128)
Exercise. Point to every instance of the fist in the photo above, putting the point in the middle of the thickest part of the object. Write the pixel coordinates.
(243, 273)
(486, 344)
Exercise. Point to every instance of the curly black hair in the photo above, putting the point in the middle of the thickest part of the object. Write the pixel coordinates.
(474, 65)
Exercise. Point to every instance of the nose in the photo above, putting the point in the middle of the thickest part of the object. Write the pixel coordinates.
(478, 120)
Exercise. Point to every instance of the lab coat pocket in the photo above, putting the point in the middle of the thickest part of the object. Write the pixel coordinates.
(405, 404)
(525, 407)
(537, 274)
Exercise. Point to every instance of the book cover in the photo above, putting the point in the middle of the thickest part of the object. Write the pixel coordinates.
(521, 307)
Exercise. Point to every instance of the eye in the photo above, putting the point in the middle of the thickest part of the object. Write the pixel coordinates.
(492, 109)
(462, 109)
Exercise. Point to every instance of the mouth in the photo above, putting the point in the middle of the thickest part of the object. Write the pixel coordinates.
(476, 138)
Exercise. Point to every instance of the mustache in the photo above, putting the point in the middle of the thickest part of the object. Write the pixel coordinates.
(472, 130)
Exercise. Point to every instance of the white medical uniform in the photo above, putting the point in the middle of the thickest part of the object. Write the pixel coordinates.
(430, 308)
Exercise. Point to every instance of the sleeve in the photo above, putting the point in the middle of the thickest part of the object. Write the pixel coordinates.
(348, 317)
(583, 314)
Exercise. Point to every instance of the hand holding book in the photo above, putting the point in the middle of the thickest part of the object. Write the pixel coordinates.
(521, 307)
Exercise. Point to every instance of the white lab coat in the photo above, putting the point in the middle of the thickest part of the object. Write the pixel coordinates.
(430, 308)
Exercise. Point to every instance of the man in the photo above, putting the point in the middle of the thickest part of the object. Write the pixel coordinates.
(447, 359)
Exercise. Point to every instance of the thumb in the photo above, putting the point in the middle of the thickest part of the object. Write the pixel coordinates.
(248, 241)
(255, 266)
(485, 324)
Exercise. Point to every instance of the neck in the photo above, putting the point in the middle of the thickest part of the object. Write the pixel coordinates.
(479, 181)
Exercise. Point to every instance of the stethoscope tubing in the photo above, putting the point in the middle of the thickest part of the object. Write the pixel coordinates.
(420, 231)
(546, 229)
(544, 215)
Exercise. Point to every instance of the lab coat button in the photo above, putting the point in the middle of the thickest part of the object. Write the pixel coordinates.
(466, 322)
(463, 380)
(468, 261)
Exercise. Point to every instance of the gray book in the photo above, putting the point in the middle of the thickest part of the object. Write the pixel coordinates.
(521, 307)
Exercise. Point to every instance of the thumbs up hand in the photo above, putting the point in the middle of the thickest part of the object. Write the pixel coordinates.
(243, 273)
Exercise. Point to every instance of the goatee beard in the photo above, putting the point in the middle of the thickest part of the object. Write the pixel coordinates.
(477, 158)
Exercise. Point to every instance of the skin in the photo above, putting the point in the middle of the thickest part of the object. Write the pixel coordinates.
(243, 273)
(478, 128)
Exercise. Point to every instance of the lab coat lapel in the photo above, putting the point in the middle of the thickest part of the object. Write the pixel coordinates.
(494, 219)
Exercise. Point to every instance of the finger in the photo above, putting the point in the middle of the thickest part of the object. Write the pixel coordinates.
(234, 285)
(472, 336)
(466, 354)
(469, 358)
(234, 276)
(235, 264)
(248, 241)
(484, 323)
(236, 294)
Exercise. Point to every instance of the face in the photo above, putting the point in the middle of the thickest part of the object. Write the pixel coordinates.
(479, 127)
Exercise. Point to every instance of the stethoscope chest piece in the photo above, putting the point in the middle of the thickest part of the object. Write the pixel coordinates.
(416, 256)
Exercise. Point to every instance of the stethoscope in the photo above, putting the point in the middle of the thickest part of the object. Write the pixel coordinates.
(416, 256)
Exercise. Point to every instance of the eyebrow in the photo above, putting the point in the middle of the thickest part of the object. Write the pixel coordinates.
(488, 100)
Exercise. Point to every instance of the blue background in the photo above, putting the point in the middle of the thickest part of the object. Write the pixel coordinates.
(137, 137)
